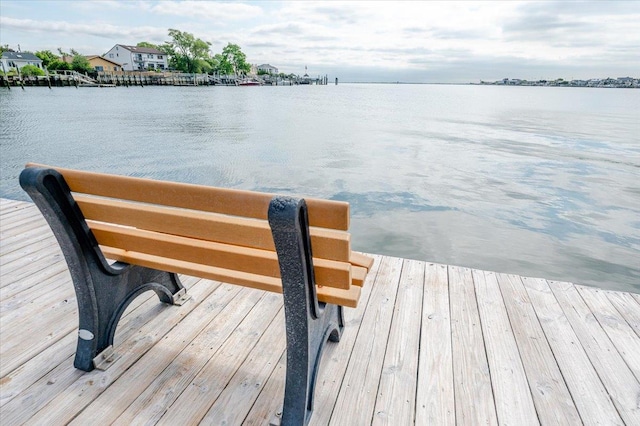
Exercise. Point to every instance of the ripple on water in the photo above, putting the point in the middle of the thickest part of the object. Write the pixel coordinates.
(535, 182)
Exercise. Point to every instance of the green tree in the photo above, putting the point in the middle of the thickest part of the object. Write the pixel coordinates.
(214, 62)
(234, 61)
(29, 70)
(5, 48)
(81, 64)
(58, 65)
(47, 57)
(10, 72)
(188, 54)
(147, 44)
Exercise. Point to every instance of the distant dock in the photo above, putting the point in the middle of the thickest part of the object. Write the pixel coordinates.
(428, 344)
(132, 78)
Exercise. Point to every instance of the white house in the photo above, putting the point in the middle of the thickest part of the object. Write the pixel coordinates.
(135, 58)
(269, 69)
(18, 60)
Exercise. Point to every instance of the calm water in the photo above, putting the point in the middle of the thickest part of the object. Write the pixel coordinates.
(535, 181)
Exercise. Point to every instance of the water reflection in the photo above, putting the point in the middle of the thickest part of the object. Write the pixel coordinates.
(533, 181)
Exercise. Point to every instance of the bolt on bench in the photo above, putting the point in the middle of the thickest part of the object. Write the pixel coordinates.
(154, 230)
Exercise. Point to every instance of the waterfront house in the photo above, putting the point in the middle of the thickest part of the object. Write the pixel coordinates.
(101, 64)
(134, 58)
(625, 81)
(17, 60)
(269, 69)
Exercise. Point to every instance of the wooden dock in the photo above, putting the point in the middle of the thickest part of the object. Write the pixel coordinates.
(149, 78)
(429, 344)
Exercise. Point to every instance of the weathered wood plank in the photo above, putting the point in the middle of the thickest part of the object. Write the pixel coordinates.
(245, 386)
(22, 269)
(60, 380)
(365, 364)
(473, 394)
(206, 387)
(42, 328)
(19, 219)
(550, 394)
(395, 404)
(157, 395)
(12, 206)
(68, 404)
(35, 300)
(37, 276)
(22, 238)
(7, 204)
(16, 211)
(622, 386)
(27, 255)
(268, 406)
(335, 359)
(514, 403)
(60, 352)
(435, 403)
(621, 334)
(628, 308)
(587, 391)
(151, 380)
(29, 372)
(8, 207)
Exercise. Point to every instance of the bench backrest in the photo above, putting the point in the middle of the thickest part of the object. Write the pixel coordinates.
(215, 233)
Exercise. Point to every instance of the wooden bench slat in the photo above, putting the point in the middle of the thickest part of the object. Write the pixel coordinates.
(336, 296)
(322, 213)
(358, 275)
(261, 262)
(326, 243)
(360, 259)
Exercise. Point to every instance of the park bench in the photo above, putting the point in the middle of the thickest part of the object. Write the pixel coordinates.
(152, 230)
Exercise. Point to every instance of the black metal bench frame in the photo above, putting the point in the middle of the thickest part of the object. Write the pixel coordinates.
(105, 290)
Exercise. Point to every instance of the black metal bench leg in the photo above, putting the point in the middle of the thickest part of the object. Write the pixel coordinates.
(103, 291)
(99, 317)
(309, 324)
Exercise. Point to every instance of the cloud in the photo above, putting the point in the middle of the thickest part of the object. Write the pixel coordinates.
(286, 29)
(546, 24)
(265, 45)
(563, 22)
(460, 34)
(102, 30)
(332, 13)
(219, 11)
(411, 31)
(335, 13)
(102, 5)
(582, 8)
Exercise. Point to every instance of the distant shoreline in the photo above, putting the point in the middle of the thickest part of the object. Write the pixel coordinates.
(624, 83)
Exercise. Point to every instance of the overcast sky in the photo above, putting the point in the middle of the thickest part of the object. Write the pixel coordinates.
(359, 41)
